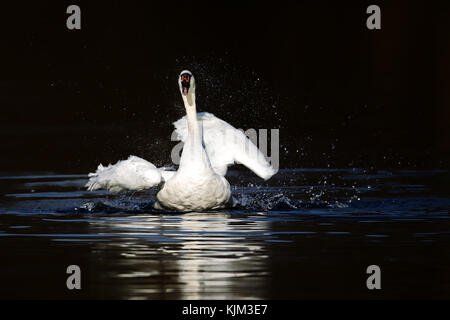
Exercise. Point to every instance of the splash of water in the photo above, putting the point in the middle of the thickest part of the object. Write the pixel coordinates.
(243, 201)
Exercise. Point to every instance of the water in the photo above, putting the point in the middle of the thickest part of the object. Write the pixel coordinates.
(306, 233)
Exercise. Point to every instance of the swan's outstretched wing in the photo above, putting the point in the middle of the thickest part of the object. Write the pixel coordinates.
(132, 174)
(226, 145)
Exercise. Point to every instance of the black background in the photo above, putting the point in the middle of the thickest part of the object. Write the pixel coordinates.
(341, 95)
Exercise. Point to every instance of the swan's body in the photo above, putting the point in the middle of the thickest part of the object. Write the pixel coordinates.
(210, 146)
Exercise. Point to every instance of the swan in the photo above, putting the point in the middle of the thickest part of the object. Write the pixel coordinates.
(210, 146)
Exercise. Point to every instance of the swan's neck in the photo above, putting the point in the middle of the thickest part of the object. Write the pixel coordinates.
(192, 121)
(193, 152)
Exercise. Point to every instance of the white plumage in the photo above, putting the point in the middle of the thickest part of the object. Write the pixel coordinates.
(210, 146)
(132, 174)
(225, 145)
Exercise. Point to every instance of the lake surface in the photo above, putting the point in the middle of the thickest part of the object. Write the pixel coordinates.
(304, 234)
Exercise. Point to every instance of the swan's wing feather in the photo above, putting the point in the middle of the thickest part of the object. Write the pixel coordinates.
(167, 174)
(132, 174)
(225, 145)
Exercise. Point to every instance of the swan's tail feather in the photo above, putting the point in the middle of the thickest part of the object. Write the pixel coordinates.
(132, 174)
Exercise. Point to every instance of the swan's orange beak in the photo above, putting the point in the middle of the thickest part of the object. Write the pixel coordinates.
(185, 83)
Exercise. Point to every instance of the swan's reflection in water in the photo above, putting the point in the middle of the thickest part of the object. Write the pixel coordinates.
(189, 256)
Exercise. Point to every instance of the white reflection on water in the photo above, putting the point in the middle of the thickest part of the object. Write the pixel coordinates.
(193, 255)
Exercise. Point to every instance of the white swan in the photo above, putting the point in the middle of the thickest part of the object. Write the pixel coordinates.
(210, 146)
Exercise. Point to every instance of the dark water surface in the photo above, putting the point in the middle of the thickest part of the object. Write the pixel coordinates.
(306, 233)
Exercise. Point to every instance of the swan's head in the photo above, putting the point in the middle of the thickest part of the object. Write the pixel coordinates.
(186, 82)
